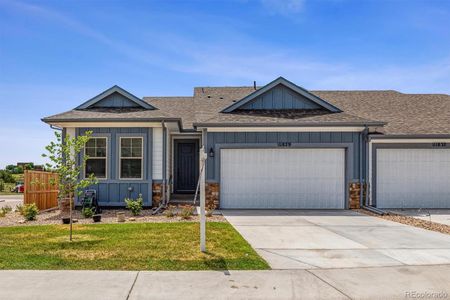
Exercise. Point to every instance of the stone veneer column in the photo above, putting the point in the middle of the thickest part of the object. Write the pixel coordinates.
(354, 191)
(212, 195)
(156, 194)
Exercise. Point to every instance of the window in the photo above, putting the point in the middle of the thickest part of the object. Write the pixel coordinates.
(131, 158)
(96, 150)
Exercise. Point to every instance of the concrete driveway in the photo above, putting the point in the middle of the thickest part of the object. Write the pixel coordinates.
(295, 239)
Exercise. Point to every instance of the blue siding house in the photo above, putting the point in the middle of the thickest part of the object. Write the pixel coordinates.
(277, 146)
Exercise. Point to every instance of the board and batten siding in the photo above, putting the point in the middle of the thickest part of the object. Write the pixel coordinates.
(272, 138)
(112, 191)
(115, 100)
(280, 97)
(157, 153)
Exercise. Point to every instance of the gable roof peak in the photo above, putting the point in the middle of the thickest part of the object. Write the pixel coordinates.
(115, 89)
(305, 94)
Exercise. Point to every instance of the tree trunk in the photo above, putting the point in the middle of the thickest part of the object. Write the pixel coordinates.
(71, 222)
(65, 205)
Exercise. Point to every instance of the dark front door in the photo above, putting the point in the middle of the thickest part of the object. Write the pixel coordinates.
(186, 166)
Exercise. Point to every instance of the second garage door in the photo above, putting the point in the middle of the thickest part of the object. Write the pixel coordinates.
(282, 178)
(413, 178)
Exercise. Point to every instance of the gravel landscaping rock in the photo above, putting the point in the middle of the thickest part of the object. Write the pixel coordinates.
(108, 216)
(410, 221)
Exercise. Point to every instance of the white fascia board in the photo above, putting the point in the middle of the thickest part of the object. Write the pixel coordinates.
(409, 141)
(284, 129)
(107, 124)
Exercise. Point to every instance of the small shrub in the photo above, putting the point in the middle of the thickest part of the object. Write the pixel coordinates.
(209, 210)
(30, 211)
(2, 185)
(7, 208)
(135, 205)
(88, 212)
(19, 209)
(4, 210)
(170, 211)
(187, 211)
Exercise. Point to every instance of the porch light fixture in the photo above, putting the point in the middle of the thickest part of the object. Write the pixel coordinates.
(211, 152)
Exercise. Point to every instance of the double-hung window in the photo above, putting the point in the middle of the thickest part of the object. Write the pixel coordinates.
(96, 151)
(131, 159)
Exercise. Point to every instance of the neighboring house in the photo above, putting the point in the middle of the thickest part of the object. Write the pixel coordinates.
(276, 146)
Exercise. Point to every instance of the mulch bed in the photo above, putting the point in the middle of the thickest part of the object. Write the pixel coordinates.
(108, 217)
(442, 228)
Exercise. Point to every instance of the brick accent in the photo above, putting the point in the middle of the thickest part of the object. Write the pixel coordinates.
(156, 194)
(354, 201)
(212, 194)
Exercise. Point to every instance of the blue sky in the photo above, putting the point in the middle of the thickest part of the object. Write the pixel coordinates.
(56, 54)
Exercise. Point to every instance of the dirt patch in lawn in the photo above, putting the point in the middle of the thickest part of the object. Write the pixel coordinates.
(410, 221)
(108, 216)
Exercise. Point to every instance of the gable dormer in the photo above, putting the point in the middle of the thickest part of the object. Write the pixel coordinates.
(281, 94)
(115, 97)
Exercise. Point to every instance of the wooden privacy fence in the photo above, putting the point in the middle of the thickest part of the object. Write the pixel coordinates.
(41, 188)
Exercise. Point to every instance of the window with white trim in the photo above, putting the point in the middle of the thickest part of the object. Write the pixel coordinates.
(96, 152)
(131, 157)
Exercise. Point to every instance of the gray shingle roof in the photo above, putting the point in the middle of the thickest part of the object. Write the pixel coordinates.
(403, 113)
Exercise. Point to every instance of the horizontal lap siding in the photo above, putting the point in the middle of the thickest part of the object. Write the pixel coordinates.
(113, 191)
(214, 138)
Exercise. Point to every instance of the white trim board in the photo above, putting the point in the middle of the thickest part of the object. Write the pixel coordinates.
(106, 124)
(409, 141)
(285, 129)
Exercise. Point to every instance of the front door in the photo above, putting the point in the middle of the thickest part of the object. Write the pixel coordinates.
(186, 166)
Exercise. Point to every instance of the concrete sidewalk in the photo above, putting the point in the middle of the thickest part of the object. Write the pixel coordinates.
(356, 283)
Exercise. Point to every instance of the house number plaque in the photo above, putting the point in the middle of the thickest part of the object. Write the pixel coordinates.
(437, 145)
(284, 144)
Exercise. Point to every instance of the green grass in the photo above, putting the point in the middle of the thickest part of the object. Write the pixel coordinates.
(143, 246)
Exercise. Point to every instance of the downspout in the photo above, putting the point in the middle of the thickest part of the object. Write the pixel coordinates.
(164, 165)
(361, 188)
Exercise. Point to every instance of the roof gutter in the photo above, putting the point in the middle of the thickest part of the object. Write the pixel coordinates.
(123, 120)
(333, 124)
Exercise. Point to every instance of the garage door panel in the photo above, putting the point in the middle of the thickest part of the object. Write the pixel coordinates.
(413, 178)
(282, 178)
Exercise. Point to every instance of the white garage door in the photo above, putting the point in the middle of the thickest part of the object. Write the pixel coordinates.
(413, 178)
(282, 178)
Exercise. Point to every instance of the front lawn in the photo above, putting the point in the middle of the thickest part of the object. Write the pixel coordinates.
(143, 246)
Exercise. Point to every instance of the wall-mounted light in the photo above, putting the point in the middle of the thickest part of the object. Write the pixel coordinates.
(211, 152)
